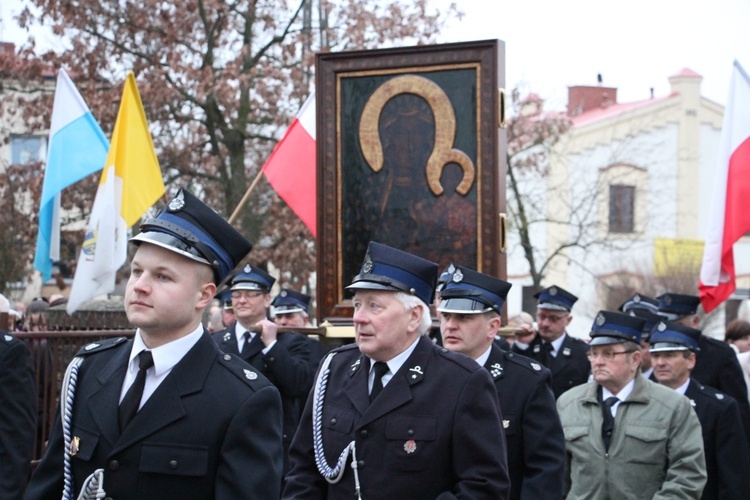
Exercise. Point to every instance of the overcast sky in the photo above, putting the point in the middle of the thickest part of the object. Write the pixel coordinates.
(552, 44)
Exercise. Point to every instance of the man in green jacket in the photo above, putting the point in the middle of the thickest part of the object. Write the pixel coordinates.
(627, 437)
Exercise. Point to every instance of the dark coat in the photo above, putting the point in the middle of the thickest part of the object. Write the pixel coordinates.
(569, 368)
(433, 432)
(212, 429)
(716, 366)
(727, 457)
(534, 435)
(286, 365)
(17, 416)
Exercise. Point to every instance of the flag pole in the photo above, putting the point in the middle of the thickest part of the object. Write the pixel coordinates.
(245, 197)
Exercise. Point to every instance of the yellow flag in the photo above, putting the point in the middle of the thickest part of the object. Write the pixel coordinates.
(131, 151)
(130, 184)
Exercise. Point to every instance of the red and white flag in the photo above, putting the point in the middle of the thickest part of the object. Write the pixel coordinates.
(291, 167)
(729, 218)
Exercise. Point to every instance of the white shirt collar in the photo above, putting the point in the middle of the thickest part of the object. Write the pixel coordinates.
(167, 355)
(683, 387)
(485, 356)
(557, 343)
(621, 396)
(394, 364)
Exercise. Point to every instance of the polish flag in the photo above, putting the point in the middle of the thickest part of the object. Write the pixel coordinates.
(291, 167)
(729, 217)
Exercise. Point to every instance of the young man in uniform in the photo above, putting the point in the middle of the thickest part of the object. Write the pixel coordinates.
(167, 414)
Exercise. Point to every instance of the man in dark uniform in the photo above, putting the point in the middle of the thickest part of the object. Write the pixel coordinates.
(393, 415)
(551, 345)
(292, 309)
(673, 348)
(470, 318)
(167, 414)
(716, 364)
(284, 358)
(17, 415)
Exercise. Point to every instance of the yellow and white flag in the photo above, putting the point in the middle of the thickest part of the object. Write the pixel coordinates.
(131, 183)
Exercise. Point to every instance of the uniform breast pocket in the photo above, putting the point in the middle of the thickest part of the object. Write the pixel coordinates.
(646, 445)
(174, 459)
(410, 442)
(337, 424)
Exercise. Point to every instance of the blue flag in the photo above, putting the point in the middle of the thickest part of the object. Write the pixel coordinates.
(77, 148)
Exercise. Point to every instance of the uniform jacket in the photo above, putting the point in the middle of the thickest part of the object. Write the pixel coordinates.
(536, 445)
(212, 429)
(433, 432)
(716, 366)
(17, 416)
(286, 365)
(656, 450)
(569, 368)
(727, 457)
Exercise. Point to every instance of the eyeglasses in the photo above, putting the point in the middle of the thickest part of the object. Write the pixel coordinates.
(551, 318)
(606, 355)
(244, 294)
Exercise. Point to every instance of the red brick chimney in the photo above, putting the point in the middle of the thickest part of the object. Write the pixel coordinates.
(7, 48)
(582, 98)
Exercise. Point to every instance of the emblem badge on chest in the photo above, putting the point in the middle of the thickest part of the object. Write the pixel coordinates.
(410, 446)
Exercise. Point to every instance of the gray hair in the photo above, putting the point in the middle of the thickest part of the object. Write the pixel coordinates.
(410, 301)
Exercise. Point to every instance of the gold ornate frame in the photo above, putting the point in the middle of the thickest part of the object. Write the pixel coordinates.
(454, 90)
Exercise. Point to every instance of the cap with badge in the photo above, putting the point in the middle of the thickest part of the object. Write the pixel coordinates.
(225, 297)
(470, 292)
(290, 301)
(555, 298)
(615, 328)
(190, 228)
(251, 278)
(677, 305)
(390, 269)
(640, 302)
(444, 277)
(670, 336)
(650, 321)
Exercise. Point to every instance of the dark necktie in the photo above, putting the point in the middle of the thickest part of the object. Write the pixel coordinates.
(547, 354)
(132, 399)
(246, 345)
(377, 384)
(608, 421)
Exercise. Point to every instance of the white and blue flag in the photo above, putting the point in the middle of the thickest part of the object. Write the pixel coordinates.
(77, 148)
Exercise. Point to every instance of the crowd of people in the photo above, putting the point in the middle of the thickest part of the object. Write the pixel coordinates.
(245, 407)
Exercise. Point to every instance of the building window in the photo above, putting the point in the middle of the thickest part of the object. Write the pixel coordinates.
(26, 149)
(621, 208)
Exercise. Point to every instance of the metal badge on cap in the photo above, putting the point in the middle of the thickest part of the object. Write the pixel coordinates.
(661, 326)
(177, 203)
(283, 293)
(636, 298)
(458, 276)
(247, 268)
(552, 291)
(367, 265)
(600, 320)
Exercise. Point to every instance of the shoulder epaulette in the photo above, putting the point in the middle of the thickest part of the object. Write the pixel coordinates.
(459, 359)
(243, 371)
(345, 347)
(101, 345)
(7, 338)
(525, 362)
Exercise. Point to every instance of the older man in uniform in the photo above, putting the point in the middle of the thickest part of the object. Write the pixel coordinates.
(673, 348)
(284, 358)
(393, 415)
(627, 437)
(565, 356)
(469, 320)
(716, 364)
(166, 415)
